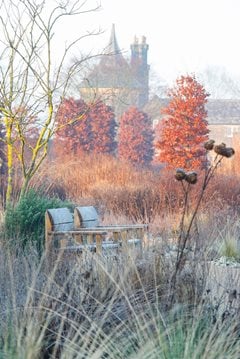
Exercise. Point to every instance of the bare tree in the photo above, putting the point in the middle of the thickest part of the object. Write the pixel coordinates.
(157, 85)
(219, 83)
(31, 81)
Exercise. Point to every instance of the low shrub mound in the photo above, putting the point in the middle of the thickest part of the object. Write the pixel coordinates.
(24, 222)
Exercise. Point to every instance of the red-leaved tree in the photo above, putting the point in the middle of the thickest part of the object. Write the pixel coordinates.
(184, 129)
(103, 128)
(84, 128)
(135, 140)
(73, 127)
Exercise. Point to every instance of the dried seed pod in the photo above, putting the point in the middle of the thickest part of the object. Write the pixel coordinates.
(219, 149)
(228, 152)
(224, 151)
(209, 145)
(180, 174)
(191, 177)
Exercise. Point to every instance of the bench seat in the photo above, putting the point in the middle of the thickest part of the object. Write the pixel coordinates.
(64, 230)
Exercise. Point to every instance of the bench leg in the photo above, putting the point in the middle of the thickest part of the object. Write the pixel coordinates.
(99, 244)
(78, 238)
(63, 242)
(48, 242)
(90, 238)
(124, 235)
(116, 237)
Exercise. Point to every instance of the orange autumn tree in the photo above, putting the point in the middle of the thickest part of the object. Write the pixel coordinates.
(184, 128)
(135, 140)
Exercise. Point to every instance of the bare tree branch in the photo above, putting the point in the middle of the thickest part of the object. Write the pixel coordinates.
(31, 79)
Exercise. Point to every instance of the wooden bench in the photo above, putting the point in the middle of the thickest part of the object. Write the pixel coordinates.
(64, 230)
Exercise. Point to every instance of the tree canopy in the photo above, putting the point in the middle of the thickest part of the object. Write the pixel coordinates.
(135, 140)
(183, 130)
(85, 128)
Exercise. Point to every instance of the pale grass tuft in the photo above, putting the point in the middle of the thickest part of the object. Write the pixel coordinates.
(85, 306)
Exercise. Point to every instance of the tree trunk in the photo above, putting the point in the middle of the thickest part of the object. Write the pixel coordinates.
(9, 161)
(10, 173)
(24, 186)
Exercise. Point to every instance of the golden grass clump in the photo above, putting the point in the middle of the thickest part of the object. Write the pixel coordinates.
(115, 186)
(70, 307)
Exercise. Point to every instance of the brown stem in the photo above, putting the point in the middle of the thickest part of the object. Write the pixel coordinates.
(182, 244)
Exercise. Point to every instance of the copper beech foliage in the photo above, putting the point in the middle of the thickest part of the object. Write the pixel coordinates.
(103, 128)
(73, 127)
(183, 130)
(135, 140)
(84, 128)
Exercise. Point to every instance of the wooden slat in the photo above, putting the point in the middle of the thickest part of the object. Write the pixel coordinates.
(105, 245)
(60, 219)
(80, 231)
(57, 219)
(114, 228)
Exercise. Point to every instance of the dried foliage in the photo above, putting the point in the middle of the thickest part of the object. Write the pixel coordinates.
(118, 187)
(82, 306)
(183, 130)
(185, 229)
(135, 140)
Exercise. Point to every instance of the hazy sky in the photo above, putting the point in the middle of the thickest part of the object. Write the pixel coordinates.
(183, 35)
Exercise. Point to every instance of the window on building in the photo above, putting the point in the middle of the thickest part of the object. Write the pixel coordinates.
(229, 131)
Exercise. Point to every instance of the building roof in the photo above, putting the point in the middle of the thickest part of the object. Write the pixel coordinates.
(223, 112)
(113, 71)
(112, 52)
(220, 111)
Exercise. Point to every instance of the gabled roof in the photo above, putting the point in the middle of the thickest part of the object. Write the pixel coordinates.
(113, 71)
(112, 52)
(220, 111)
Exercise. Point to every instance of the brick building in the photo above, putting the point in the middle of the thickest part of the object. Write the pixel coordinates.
(223, 117)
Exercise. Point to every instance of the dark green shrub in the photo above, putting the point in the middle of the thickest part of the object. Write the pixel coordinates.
(24, 222)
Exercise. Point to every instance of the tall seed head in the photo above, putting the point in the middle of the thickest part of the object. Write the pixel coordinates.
(224, 151)
(209, 145)
(219, 149)
(228, 152)
(180, 174)
(191, 177)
